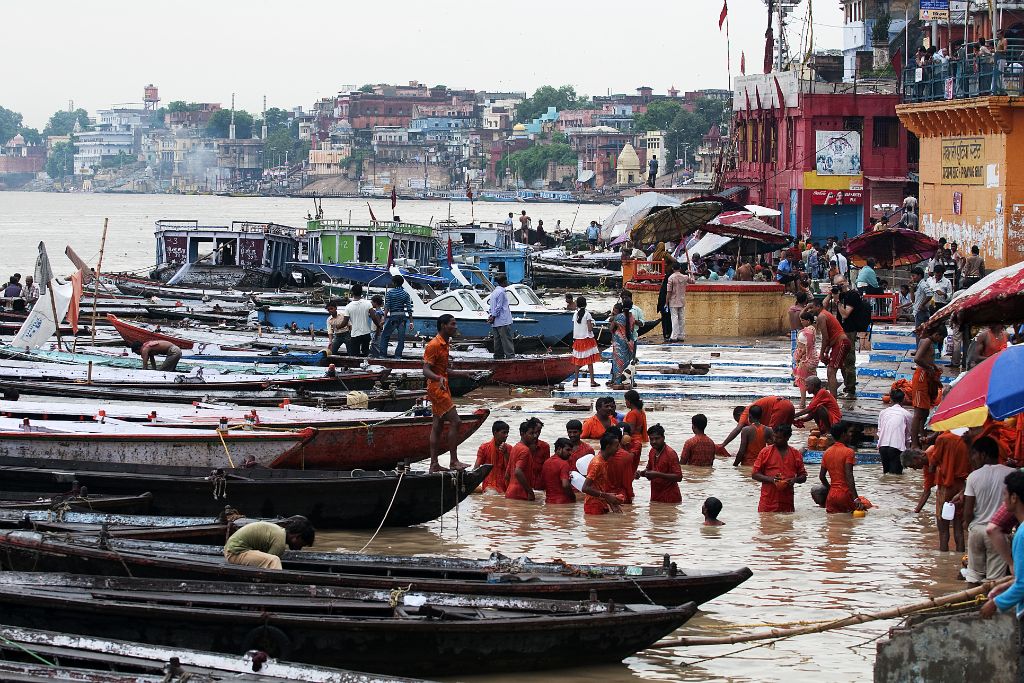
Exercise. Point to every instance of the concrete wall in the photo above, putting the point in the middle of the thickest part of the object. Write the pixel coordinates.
(725, 310)
(951, 649)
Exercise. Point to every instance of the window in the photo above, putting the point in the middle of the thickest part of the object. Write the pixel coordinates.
(913, 149)
(853, 123)
(449, 303)
(886, 132)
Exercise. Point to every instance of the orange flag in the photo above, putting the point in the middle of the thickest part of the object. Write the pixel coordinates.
(76, 298)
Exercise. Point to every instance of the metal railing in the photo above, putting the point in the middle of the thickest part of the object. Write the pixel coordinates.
(1001, 73)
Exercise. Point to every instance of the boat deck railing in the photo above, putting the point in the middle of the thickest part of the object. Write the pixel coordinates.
(376, 226)
(190, 225)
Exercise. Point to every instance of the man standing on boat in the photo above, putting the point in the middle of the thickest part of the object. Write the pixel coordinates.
(397, 313)
(359, 314)
(261, 544)
(337, 326)
(435, 369)
(500, 319)
(149, 350)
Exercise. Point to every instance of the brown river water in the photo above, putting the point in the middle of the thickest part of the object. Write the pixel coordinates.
(808, 566)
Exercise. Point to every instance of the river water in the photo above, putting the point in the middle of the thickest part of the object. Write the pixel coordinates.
(807, 566)
(77, 219)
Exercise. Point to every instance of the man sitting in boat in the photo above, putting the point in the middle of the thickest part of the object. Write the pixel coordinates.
(261, 544)
(149, 351)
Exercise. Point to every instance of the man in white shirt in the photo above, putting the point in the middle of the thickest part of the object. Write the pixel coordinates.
(893, 433)
(360, 315)
(983, 495)
(942, 288)
(843, 264)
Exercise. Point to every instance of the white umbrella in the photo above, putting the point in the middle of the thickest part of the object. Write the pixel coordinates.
(632, 209)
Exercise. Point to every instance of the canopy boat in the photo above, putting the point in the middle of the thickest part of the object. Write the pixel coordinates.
(342, 440)
(330, 499)
(246, 253)
(495, 576)
(424, 633)
(103, 660)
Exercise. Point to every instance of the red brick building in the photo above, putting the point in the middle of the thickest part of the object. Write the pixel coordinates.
(829, 157)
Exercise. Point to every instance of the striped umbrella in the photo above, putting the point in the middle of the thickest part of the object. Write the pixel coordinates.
(993, 387)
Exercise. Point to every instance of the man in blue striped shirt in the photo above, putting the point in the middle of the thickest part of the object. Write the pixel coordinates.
(397, 316)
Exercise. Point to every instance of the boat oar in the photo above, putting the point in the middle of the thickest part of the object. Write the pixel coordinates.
(892, 613)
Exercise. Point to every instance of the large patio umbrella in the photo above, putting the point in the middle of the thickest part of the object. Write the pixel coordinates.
(992, 387)
(671, 224)
(891, 247)
(631, 210)
(744, 225)
(998, 297)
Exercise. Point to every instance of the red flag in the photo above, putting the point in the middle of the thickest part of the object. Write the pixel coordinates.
(757, 96)
(746, 94)
(449, 251)
(391, 254)
(743, 63)
(76, 298)
(394, 198)
(725, 13)
(372, 217)
(780, 95)
(769, 39)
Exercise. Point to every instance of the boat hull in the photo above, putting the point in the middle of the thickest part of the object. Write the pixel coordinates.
(543, 370)
(331, 500)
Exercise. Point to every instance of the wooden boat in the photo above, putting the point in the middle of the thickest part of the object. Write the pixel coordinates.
(103, 660)
(424, 633)
(62, 443)
(533, 370)
(205, 530)
(95, 502)
(495, 576)
(377, 399)
(342, 440)
(333, 500)
(137, 335)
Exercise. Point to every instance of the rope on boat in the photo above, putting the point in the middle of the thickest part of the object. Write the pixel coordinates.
(892, 613)
(27, 651)
(401, 475)
(225, 445)
(397, 594)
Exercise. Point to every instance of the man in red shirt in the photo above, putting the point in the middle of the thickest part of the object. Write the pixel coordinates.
(555, 475)
(662, 469)
(597, 488)
(573, 430)
(604, 417)
(823, 408)
(620, 470)
(834, 344)
(753, 438)
(836, 471)
(775, 411)
(495, 453)
(539, 455)
(699, 450)
(520, 464)
(778, 467)
(951, 464)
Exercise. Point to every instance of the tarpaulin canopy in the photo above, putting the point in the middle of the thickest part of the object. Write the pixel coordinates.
(891, 247)
(632, 210)
(996, 298)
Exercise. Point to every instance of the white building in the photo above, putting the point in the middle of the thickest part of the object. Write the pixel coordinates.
(859, 18)
(654, 141)
(116, 136)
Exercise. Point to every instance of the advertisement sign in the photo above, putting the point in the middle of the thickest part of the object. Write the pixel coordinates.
(934, 10)
(958, 203)
(837, 152)
(963, 161)
(837, 197)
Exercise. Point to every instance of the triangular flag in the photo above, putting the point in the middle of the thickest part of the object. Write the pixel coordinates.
(725, 13)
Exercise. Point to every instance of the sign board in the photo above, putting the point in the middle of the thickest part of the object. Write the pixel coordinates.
(837, 197)
(934, 10)
(753, 86)
(958, 203)
(963, 161)
(837, 152)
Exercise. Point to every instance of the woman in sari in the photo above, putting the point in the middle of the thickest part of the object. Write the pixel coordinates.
(805, 356)
(622, 346)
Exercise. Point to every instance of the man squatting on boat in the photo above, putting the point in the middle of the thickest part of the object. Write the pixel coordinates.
(261, 544)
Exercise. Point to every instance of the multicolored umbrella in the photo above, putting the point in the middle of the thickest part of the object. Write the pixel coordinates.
(992, 387)
(891, 247)
(998, 297)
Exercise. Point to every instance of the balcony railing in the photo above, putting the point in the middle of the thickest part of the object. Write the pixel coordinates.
(999, 74)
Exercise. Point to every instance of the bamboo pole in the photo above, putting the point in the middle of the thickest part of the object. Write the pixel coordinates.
(96, 280)
(892, 613)
(53, 310)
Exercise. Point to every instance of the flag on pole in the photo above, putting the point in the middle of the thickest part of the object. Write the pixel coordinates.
(725, 13)
(757, 97)
(391, 254)
(40, 325)
(780, 95)
(469, 193)
(372, 217)
(743, 63)
(43, 272)
(449, 251)
(746, 94)
(394, 198)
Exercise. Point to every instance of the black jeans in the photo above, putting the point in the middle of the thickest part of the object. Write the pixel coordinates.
(891, 463)
(359, 346)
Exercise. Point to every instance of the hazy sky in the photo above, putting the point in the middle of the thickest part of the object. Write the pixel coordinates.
(101, 53)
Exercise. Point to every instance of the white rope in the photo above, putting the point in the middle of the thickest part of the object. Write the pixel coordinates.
(380, 526)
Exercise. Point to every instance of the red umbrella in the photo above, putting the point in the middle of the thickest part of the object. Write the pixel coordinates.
(891, 247)
(998, 297)
(744, 225)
